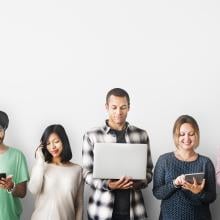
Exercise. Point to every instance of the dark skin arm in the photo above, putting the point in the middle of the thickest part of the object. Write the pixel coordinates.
(123, 183)
(19, 190)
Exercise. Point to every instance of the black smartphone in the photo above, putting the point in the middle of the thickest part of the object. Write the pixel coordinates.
(2, 175)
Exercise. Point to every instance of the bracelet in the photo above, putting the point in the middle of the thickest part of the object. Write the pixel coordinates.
(12, 189)
(176, 186)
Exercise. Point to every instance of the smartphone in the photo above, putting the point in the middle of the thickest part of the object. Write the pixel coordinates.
(2, 175)
(198, 176)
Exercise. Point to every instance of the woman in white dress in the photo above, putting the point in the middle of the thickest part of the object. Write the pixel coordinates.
(56, 182)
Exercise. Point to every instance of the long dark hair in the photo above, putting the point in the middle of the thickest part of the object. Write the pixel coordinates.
(66, 154)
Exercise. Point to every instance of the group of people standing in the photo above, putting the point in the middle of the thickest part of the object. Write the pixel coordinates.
(58, 183)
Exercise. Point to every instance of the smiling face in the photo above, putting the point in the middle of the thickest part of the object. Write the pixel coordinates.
(117, 108)
(54, 145)
(187, 139)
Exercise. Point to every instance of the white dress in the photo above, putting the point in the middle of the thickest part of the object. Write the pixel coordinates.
(58, 190)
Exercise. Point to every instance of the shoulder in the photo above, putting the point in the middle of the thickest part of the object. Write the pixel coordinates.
(205, 159)
(165, 157)
(137, 135)
(95, 130)
(136, 131)
(76, 167)
(77, 172)
(94, 135)
(16, 152)
(166, 161)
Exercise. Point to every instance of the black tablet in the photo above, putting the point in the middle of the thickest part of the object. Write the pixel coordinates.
(198, 176)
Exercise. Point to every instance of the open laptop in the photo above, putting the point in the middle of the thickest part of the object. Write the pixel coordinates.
(114, 160)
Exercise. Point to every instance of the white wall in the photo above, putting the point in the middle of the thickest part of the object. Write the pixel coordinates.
(59, 58)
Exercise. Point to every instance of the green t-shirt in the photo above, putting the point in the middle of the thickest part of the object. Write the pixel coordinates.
(12, 162)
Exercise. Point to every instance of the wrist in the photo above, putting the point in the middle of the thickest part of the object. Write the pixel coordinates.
(12, 189)
(109, 185)
(175, 185)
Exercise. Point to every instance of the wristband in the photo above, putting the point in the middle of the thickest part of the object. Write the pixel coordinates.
(176, 186)
(12, 189)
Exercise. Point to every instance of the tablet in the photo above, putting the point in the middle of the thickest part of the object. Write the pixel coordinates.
(198, 176)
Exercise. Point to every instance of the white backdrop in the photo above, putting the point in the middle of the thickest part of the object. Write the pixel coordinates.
(59, 58)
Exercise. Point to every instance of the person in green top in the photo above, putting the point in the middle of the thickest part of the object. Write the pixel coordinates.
(13, 186)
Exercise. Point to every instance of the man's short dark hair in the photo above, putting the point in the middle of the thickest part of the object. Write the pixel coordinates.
(4, 120)
(118, 92)
(66, 154)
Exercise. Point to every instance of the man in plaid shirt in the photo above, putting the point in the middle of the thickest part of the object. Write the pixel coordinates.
(115, 199)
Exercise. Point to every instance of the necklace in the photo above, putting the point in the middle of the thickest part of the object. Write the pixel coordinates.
(188, 159)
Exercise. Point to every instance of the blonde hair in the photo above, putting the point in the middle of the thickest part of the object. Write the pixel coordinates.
(182, 120)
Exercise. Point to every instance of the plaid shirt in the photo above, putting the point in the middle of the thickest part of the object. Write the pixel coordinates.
(101, 201)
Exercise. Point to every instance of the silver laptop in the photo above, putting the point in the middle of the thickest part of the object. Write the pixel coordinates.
(114, 160)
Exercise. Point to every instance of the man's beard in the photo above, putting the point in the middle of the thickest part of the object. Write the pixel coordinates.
(1, 140)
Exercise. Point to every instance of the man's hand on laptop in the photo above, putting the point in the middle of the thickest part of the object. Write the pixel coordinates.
(124, 182)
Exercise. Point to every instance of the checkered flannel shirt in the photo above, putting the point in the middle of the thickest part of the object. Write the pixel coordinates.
(101, 201)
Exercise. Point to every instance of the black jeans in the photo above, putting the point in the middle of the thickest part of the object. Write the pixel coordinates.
(118, 217)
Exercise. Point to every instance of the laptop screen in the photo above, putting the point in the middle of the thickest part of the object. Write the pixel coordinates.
(114, 160)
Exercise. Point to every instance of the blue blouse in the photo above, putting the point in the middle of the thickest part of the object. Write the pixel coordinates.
(178, 203)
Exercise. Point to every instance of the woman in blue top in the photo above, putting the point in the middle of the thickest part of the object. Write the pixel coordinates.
(183, 200)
